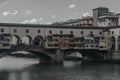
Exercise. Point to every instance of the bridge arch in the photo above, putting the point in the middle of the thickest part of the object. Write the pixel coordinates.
(113, 43)
(44, 58)
(39, 41)
(15, 40)
(27, 40)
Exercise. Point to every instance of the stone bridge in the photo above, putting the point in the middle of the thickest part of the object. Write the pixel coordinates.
(45, 55)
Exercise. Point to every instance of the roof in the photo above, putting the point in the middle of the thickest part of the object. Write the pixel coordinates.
(62, 34)
(50, 26)
(101, 8)
(108, 17)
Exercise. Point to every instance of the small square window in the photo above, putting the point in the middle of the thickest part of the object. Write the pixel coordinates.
(27, 31)
(15, 30)
(71, 32)
(38, 31)
(81, 32)
(61, 32)
(50, 32)
(2, 30)
(112, 32)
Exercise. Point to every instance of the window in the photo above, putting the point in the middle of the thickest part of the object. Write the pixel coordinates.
(38, 31)
(61, 32)
(97, 45)
(91, 45)
(92, 41)
(91, 32)
(100, 32)
(50, 32)
(86, 45)
(15, 30)
(102, 38)
(71, 32)
(2, 30)
(55, 45)
(27, 31)
(81, 32)
(112, 32)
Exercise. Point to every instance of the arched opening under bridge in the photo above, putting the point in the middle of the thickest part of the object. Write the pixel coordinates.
(27, 40)
(15, 40)
(39, 41)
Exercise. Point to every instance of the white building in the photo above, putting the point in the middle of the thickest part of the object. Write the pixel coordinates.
(108, 20)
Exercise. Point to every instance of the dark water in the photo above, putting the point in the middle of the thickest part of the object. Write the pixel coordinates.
(28, 69)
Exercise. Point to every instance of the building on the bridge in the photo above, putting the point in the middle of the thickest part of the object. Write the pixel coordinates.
(5, 40)
(105, 40)
(62, 41)
(77, 36)
(70, 41)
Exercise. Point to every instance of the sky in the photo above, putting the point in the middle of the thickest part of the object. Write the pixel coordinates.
(49, 11)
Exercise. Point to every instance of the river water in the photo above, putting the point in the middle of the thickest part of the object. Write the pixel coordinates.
(12, 68)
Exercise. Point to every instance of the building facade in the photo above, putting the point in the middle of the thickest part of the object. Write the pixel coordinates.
(56, 37)
(103, 17)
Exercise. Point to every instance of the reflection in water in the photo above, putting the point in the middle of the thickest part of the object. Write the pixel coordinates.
(12, 63)
(12, 76)
(70, 64)
(19, 76)
(25, 76)
(69, 71)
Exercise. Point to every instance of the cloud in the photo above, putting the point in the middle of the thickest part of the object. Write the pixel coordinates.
(86, 14)
(13, 12)
(77, 13)
(3, 1)
(40, 19)
(34, 20)
(27, 12)
(53, 16)
(72, 6)
(49, 23)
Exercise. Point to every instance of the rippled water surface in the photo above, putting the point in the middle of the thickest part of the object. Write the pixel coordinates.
(12, 68)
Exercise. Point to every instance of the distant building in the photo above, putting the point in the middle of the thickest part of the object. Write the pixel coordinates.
(97, 12)
(68, 22)
(102, 17)
(118, 18)
(107, 20)
(85, 21)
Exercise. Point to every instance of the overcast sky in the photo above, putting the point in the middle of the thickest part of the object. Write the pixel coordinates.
(47, 11)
